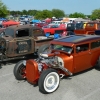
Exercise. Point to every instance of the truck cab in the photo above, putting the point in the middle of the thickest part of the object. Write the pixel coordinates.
(21, 40)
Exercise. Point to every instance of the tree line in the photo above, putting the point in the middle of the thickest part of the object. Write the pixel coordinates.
(42, 14)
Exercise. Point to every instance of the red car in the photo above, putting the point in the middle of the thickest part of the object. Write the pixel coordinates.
(52, 29)
(40, 24)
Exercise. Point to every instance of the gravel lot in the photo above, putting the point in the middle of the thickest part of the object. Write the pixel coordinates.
(83, 86)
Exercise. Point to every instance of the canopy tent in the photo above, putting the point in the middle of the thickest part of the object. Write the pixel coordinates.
(3, 19)
(81, 19)
(65, 20)
(10, 23)
(35, 21)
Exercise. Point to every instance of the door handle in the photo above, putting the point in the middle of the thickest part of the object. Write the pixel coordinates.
(89, 52)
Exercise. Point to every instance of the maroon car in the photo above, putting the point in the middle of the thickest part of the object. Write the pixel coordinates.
(40, 24)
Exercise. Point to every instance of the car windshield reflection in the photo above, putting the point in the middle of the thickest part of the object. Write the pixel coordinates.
(63, 48)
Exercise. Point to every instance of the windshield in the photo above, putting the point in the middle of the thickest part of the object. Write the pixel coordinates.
(63, 48)
(9, 32)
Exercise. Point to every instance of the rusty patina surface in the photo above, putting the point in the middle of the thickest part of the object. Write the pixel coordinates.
(21, 40)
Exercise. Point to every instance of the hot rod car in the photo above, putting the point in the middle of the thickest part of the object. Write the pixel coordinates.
(65, 57)
(22, 40)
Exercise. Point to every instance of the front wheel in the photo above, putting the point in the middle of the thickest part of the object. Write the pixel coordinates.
(49, 81)
(19, 70)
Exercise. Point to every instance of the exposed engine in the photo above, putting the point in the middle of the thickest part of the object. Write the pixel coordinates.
(52, 62)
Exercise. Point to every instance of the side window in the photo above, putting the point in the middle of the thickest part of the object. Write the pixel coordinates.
(98, 26)
(83, 47)
(90, 24)
(95, 44)
(22, 33)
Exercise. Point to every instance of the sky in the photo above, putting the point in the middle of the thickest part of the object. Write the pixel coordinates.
(68, 6)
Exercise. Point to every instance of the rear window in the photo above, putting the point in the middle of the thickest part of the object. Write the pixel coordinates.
(37, 32)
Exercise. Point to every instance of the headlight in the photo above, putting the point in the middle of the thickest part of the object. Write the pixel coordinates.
(60, 61)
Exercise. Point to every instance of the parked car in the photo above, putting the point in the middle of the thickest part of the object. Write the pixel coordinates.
(40, 24)
(50, 26)
(89, 28)
(53, 28)
(22, 40)
(65, 57)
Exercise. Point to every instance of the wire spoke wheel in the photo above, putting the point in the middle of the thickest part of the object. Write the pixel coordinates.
(20, 70)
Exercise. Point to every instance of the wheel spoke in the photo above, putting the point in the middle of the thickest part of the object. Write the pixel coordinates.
(22, 71)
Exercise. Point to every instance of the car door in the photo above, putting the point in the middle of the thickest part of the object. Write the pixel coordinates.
(23, 42)
(82, 57)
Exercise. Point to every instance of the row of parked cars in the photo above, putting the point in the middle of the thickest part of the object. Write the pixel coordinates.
(56, 57)
(77, 28)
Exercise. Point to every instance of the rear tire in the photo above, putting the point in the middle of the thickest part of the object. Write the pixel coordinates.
(19, 70)
(98, 64)
(49, 81)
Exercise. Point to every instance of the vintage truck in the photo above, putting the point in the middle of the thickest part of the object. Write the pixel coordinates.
(65, 57)
(89, 28)
(22, 40)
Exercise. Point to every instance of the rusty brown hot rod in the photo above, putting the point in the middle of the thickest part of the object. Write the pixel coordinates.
(65, 57)
(22, 40)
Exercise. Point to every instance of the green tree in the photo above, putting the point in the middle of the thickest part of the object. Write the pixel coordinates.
(43, 14)
(3, 9)
(46, 14)
(24, 12)
(95, 14)
(13, 12)
(38, 15)
(32, 12)
(58, 13)
(77, 15)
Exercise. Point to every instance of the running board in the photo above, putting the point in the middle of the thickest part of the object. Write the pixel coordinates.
(8, 59)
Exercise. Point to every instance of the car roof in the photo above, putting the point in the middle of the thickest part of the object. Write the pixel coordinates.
(74, 39)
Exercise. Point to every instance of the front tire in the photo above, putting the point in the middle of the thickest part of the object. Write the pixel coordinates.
(49, 81)
(19, 70)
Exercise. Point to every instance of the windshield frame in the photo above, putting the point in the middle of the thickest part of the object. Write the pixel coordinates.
(58, 47)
